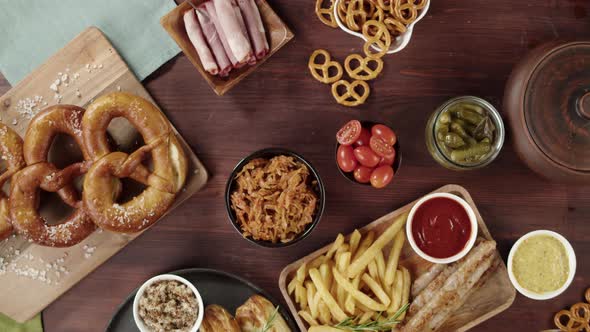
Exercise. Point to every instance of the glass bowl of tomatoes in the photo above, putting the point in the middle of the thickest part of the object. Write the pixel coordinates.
(368, 153)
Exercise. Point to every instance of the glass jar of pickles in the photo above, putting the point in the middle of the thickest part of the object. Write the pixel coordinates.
(465, 133)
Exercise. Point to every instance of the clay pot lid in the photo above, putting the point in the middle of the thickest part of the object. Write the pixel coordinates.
(557, 105)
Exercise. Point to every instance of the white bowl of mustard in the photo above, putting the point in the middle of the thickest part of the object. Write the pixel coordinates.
(541, 264)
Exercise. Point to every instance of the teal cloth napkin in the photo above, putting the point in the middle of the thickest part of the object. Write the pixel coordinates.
(33, 30)
(8, 325)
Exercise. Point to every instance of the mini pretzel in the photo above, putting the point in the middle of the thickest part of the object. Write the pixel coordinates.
(24, 200)
(11, 151)
(357, 14)
(326, 15)
(576, 319)
(321, 71)
(342, 8)
(407, 11)
(351, 97)
(169, 163)
(377, 36)
(363, 71)
(379, 14)
(383, 4)
(394, 26)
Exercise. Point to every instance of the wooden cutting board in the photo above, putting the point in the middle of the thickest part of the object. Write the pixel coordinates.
(32, 276)
(493, 297)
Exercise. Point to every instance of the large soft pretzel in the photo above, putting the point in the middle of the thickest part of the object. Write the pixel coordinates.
(43, 128)
(11, 151)
(24, 201)
(169, 163)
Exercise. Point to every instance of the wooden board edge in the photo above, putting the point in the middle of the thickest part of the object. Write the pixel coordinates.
(290, 268)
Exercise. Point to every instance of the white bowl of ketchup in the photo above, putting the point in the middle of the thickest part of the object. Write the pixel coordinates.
(441, 228)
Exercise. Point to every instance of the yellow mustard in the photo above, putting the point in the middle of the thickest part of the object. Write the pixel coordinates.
(540, 264)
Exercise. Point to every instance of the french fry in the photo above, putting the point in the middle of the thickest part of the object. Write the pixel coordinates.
(360, 263)
(317, 262)
(325, 272)
(337, 243)
(376, 289)
(380, 261)
(324, 313)
(310, 292)
(365, 244)
(350, 303)
(365, 317)
(301, 294)
(356, 294)
(308, 318)
(343, 261)
(396, 293)
(314, 306)
(291, 286)
(406, 289)
(301, 273)
(343, 248)
(393, 260)
(355, 239)
(373, 271)
(329, 300)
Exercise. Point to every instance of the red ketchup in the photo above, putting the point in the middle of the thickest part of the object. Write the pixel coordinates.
(441, 227)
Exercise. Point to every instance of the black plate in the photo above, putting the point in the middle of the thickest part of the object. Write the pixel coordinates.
(216, 287)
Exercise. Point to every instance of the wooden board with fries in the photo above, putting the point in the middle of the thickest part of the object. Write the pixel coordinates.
(370, 272)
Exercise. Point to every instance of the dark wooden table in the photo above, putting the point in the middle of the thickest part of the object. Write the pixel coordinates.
(461, 47)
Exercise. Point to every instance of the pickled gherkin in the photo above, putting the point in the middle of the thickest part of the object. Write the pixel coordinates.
(465, 133)
(472, 153)
(454, 141)
(470, 116)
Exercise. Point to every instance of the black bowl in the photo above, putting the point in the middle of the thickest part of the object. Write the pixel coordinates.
(397, 162)
(267, 154)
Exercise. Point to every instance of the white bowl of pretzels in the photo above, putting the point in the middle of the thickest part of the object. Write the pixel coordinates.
(385, 25)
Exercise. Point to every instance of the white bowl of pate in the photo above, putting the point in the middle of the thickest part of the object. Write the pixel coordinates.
(541, 265)
(151, 313)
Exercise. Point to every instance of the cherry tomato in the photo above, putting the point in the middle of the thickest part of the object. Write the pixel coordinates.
(364, 138)
(362, 174)
(366, 156)
(387, 160)
(380, 147)
(381, 176)
(345, 158)
(385, 133)
(349, 133)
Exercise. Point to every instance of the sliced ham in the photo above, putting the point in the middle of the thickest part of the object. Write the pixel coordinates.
(255, 27)
(252, 58)
(215, 19)
(214, 41)
(195, 34)
(237, 40)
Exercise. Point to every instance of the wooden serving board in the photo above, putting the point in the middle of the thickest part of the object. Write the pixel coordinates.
(32, 276)
(493, 297)
(277, 33)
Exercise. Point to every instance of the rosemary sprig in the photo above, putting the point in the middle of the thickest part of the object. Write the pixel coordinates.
(350, 324)
(271, 320)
